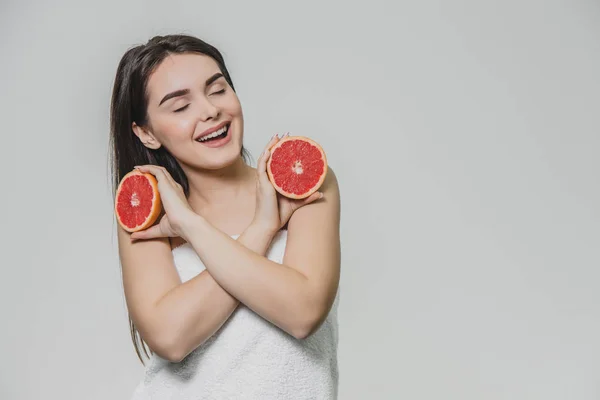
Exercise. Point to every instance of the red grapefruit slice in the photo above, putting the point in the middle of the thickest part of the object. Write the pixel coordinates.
(137, 201)
(297, 166)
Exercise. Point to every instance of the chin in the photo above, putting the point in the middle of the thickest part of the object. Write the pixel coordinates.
(221, 163)
(223, 158)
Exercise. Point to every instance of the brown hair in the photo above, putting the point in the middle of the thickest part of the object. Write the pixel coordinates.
(129, 104)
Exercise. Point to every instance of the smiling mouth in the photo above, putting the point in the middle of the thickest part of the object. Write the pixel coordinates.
(220, 134)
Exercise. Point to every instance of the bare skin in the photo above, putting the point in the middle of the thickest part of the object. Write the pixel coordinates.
(227, 197)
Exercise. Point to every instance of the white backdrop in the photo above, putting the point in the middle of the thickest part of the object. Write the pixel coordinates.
(465, 136)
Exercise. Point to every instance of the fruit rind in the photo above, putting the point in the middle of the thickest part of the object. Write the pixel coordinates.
(156, 202)
(272, 178)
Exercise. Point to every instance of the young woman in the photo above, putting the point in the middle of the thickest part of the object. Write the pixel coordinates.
(235, 290)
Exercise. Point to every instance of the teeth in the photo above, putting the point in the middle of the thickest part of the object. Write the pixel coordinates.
(214, 134)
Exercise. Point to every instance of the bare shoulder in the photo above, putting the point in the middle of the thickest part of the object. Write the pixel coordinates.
(328, 207)
(313, 245)
(330, 184)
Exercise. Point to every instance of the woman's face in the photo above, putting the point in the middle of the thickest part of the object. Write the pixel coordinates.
(193, 112)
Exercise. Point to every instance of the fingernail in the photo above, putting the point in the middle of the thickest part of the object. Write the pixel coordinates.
(321, 195)
(287, 134)
(274, 136)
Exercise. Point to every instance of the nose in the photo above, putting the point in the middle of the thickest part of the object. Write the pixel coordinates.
(208, 110)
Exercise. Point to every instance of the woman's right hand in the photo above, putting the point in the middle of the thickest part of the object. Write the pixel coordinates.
(273, 210)
(178, 212)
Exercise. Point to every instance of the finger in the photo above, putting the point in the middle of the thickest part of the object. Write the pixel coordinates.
(261, 168)
(159, 172)
(170, 177)
(264, 157)
(273, 141)
(154, 231)
(313, 197)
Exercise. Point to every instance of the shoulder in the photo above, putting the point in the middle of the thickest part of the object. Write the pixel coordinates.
(313, 245)
(320, 213)
(330, 184)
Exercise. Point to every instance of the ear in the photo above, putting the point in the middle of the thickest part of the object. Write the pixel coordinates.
(146, 136)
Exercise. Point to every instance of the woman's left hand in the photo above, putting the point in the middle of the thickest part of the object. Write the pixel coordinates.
(177, 210)
(272, 209)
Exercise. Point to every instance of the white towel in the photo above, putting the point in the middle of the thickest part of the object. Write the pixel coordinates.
(248, 358)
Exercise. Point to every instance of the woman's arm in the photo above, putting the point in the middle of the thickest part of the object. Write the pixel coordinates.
(174, 318)
(296, 295)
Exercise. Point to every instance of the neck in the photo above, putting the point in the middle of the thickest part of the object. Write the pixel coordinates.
(208, 187)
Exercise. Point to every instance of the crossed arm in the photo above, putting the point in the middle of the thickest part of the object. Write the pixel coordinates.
(174, 318)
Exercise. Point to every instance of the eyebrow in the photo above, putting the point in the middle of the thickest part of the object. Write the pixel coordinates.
(183, 92)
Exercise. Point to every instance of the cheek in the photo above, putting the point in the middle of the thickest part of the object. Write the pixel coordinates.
(177, 126)
(233, 106)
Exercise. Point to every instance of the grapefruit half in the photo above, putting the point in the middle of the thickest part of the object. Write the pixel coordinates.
(137, 201)
(297, 166)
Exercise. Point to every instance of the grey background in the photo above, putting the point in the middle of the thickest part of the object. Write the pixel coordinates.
(465, 136)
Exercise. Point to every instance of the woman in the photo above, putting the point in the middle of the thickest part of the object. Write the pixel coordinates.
(234, 291)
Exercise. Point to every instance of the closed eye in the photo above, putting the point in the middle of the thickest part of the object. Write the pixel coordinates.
(219, 91)
(182, 108)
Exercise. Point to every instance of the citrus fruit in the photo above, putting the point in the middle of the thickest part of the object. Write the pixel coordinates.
(137, 201)
(297, 166)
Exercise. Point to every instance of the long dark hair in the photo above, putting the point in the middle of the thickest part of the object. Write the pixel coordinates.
(129, 104)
